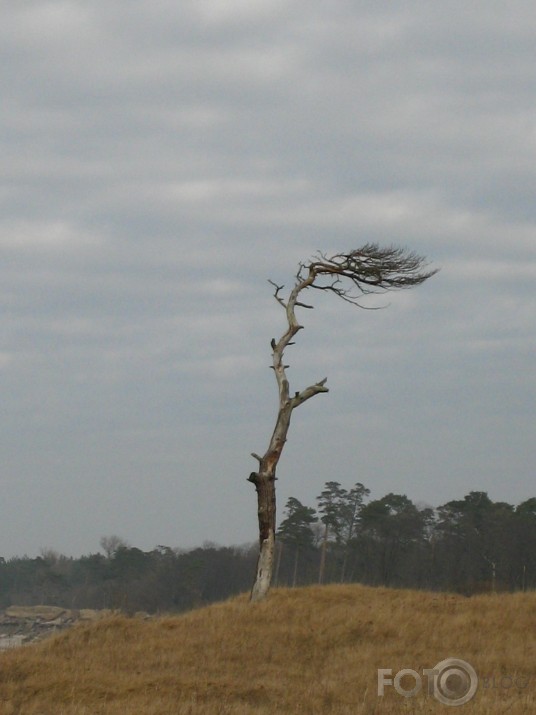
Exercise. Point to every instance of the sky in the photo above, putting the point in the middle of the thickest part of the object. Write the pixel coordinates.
(161, 161)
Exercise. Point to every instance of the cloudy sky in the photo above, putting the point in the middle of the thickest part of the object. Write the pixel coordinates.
(161, 160)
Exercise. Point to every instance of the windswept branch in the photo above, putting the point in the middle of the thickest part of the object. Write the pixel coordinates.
(369, 269)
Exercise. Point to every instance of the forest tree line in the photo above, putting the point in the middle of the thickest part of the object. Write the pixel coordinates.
(468, 546)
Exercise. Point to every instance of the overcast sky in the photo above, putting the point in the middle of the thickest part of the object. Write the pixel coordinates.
(161, 160)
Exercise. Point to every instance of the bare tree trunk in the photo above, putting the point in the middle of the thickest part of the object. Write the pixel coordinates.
(265, 566)
(265, 485)
(264, 479)
(350, 275)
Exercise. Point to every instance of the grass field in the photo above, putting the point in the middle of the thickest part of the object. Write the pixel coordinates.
(314, 650)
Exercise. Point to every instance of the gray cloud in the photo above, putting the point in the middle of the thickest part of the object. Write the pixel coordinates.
(161, 161)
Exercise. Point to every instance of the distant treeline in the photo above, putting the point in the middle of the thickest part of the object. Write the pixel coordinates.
(467, 546)
(127, 578)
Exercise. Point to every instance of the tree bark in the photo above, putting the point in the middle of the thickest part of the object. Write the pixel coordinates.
(264, 479)
(265, 487)
(265, 565)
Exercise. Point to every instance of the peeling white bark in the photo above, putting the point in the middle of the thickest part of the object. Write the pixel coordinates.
(265, 568)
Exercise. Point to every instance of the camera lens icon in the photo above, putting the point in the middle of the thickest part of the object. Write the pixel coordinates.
(455, 681)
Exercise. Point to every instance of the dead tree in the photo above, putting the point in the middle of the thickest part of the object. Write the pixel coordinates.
(350, 276)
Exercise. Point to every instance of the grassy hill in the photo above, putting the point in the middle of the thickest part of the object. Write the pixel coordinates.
(314, 650)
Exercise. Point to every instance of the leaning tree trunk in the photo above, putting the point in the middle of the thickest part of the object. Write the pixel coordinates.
(366, 270)
(264, 478)
(264, 481)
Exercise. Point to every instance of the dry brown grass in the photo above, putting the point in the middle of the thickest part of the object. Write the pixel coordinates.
(313, 651)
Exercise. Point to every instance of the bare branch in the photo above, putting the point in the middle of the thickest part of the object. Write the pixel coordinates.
(277, 291)
(304, 305)
(311, 391)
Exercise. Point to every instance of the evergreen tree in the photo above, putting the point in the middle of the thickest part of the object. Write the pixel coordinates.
(295, 531)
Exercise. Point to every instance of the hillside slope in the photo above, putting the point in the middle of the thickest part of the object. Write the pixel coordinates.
(312, 650)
